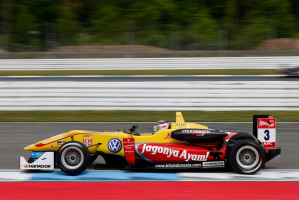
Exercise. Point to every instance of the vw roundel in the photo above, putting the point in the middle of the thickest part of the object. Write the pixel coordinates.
(114, 145)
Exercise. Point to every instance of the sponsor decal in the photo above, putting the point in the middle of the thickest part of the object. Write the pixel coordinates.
(52, 146)
(213, 164)
(87, 135)
(196, 132)
(172, 153)
(266, 132)
(266, 123)
(87, 142)
(168, 136)
(28, 166)
(36, 154)
(60, 142)
(114, 145)
(178, 166)
(269, 145)
(129, 149)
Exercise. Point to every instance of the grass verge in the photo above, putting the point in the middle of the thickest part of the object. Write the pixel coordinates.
(143, 72)
(140, 116)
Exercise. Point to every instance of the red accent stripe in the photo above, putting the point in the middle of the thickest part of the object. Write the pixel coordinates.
(149, 190)
(41, 144)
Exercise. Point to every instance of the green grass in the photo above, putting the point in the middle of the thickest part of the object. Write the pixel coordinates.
(140, 116)
(143, 72)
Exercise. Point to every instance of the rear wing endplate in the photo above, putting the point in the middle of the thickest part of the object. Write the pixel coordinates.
(264, 129)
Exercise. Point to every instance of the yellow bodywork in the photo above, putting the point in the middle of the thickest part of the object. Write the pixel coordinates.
(100, 139)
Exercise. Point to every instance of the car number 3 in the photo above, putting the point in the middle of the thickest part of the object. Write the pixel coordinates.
(267, 135)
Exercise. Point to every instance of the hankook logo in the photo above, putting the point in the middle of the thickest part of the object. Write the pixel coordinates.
(37, 166)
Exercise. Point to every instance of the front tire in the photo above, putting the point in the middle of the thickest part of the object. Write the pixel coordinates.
(73, 158)
(246, 157)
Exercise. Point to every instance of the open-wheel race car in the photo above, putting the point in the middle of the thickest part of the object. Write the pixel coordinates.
(177, 145)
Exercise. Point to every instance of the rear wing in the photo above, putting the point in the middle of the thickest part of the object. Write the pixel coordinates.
(264, 129)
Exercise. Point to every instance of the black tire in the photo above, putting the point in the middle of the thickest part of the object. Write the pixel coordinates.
(73, 158)
(246, 157)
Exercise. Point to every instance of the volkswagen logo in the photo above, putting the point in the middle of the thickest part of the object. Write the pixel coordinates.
(114, 145)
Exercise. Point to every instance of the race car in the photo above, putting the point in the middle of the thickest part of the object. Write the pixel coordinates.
(177, 145)
(289, 71)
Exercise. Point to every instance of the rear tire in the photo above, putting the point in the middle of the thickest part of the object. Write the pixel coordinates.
(246, 157)
(73, 158)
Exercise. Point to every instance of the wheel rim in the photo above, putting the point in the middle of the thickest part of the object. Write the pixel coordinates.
(247, 157)
(72, 157)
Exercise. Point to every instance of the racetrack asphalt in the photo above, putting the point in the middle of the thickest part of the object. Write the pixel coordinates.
(14, 136)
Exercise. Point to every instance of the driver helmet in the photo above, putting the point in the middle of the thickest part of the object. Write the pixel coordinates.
(162, 124)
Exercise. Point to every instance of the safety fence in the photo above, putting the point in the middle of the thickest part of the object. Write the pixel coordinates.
(160, 96)
(273, 62)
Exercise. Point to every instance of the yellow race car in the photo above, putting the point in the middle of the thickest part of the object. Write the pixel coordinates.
(177, 145)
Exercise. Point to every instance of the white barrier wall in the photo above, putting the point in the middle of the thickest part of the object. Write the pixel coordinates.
(150, 63)
(172, 96)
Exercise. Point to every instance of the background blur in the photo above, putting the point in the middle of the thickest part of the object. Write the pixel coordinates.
(250, 37)
(171, 25)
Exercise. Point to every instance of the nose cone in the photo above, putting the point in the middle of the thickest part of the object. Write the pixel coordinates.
(29, 148)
